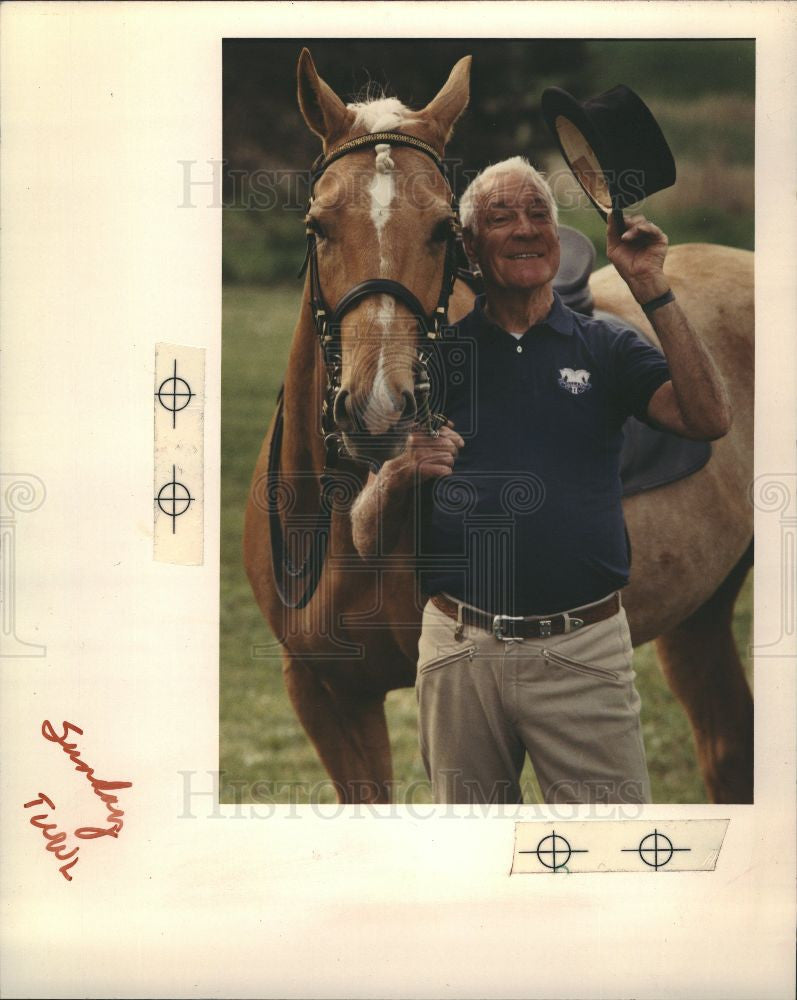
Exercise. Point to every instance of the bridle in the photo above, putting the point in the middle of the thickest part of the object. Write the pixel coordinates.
(328, 324)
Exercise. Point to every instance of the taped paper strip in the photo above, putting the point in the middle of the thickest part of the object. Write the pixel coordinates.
(178, 496)
(688, 845)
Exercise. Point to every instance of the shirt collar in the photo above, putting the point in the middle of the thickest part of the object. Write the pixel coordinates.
(559, 319)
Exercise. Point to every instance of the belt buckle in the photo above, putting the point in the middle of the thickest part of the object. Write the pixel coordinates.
(498, 631)
(545, 625)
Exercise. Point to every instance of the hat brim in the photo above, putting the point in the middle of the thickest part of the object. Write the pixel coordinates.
(556, 104)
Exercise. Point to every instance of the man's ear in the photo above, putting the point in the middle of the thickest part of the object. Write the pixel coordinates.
(444, 109)
(321, 107)
(470, 247)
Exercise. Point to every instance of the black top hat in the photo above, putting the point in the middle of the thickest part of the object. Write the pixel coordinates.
(613, 145)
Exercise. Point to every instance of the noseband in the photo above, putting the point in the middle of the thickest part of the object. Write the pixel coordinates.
(328, 321)
(305, 576)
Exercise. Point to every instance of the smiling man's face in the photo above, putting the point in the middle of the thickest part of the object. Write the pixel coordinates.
(517, 244)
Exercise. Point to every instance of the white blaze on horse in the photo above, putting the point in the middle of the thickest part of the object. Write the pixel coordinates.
(380, 238)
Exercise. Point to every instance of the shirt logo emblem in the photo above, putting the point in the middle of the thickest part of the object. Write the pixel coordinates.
(574, 381)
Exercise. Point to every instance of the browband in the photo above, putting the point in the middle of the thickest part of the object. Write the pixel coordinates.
(373, 139)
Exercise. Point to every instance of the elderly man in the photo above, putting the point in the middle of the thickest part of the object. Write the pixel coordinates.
(525, 646)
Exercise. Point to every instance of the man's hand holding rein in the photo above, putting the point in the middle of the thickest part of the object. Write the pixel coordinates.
(381, 507)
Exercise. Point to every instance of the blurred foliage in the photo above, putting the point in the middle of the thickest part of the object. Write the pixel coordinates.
(262, 247)
(684, 68)
(701, 92)
(712, 127)
(263, 127)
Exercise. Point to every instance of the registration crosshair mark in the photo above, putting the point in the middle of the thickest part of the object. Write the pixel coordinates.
(559, 851)
(180, 499)
(657, 847)
(178, 389)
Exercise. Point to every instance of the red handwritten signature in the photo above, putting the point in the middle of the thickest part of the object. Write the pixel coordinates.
(57, 842)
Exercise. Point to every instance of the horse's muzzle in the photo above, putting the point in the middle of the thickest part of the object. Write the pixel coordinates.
(374, 434)
(374, 419)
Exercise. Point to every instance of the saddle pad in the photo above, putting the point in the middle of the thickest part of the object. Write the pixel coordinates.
(652, 458)
(575, 266)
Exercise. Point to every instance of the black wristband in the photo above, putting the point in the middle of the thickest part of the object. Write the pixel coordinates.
(654, 304)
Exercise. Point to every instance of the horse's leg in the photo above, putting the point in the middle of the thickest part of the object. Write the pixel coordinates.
(702, 666)
(349, 732)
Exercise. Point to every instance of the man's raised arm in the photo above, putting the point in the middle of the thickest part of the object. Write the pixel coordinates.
(695, 403)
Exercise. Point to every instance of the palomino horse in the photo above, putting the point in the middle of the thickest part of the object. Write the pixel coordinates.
(383, 212)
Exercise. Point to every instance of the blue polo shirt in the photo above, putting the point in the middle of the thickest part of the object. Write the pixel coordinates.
(530, 522)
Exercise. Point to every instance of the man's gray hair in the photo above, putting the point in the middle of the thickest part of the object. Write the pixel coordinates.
(483, 182)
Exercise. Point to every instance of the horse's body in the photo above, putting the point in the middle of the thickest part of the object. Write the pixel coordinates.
(357, 637)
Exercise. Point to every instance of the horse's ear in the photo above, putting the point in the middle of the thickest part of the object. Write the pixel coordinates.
(452, 100)
(323, 110)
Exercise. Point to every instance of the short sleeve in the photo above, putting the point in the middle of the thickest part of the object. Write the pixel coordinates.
(639, 370)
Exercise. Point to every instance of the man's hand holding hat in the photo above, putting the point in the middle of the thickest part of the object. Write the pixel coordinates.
(638, 255)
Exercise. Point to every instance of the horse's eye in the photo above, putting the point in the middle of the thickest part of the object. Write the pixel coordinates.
(442, 230)
(314, 226)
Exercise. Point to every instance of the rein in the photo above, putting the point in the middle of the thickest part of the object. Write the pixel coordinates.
(328, 324)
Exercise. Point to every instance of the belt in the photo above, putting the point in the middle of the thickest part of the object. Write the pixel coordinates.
(508, 627)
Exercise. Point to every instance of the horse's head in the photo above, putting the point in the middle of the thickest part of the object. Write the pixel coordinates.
(381, 211)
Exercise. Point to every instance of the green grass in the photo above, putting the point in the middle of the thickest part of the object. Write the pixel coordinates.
(262, 247)
(261, 739)
(260, 736)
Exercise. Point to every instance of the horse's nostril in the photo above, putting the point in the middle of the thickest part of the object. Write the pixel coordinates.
(340, 410)
(410, 406)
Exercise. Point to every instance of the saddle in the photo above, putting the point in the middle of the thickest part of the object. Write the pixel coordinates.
(650, 457)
